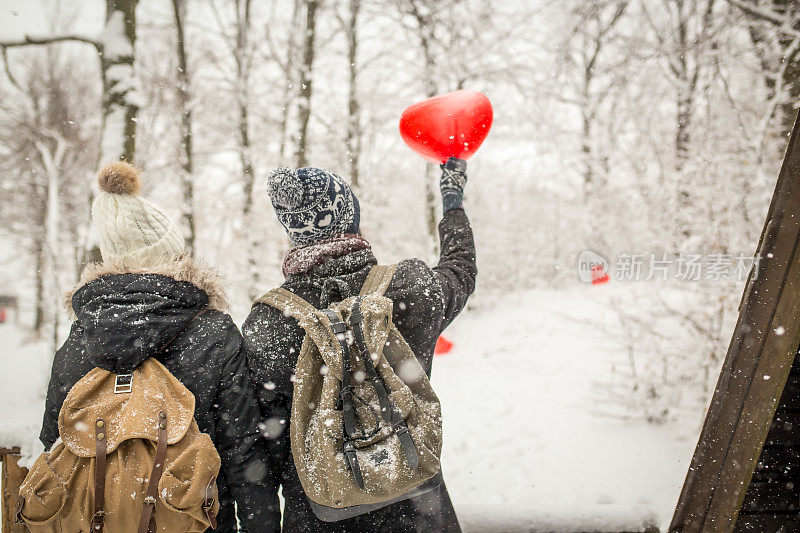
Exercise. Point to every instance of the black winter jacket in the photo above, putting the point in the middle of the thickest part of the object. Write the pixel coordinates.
(122, 317)
(426, 300)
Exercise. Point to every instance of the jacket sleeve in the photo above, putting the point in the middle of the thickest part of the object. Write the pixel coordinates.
(52, 406)
(245, 462)
(270, 339)
(426, 300)
(57, 390)
(457, 268)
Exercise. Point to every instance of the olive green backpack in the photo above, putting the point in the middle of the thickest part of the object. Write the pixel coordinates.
(366, 426)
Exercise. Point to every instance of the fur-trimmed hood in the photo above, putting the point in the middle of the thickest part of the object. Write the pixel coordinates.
(185, 268)
(123, 315)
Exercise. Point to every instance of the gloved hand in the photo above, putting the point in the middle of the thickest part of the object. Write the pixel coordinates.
(452, 182)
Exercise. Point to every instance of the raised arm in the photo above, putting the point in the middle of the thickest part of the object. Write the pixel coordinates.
(457, 269)
(426, 300)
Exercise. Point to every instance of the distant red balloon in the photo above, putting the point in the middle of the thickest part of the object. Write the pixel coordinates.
(449, 125)
(442, 346)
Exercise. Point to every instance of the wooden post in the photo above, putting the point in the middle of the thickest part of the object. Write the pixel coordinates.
(12, 476)
(755, 370)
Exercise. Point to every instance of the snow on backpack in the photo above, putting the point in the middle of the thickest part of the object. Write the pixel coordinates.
(130, 459)
(366, 426)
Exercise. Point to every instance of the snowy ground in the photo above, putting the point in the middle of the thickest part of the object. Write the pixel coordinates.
(24, 372)
(524, 444)
(525, 448)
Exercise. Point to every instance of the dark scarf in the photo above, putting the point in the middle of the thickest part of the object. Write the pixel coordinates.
(302, 259)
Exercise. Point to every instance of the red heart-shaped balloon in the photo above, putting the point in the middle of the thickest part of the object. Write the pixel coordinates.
(449, 125)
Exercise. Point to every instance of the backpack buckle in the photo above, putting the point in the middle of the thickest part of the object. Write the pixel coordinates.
(123, 383)
(208, 503)
(338, 327)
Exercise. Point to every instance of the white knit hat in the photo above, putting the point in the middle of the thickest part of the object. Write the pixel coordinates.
(132, 231)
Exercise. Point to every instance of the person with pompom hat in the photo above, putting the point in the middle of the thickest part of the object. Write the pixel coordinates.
(148, 298)
(329, 262)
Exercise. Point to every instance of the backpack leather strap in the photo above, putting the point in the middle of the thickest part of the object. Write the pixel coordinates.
(147, 522)
(390, 412)
(99, 475)
(346, 397)
(378, 280)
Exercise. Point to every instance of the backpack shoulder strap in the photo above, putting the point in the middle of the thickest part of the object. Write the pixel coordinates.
(288, 302)
(378, 280)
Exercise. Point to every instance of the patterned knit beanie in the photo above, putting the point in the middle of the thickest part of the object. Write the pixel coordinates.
(313, 205)
(132, 231)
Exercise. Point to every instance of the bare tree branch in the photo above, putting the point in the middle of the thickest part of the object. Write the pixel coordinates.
(9, 74)
(782, 22)
(29, 41)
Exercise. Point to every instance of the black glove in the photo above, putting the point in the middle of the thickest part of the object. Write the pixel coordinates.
(454, 177)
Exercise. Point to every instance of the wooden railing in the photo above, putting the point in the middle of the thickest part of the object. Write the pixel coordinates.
(12, 475)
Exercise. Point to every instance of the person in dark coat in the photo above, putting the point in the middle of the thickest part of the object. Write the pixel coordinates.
(149, 299)
(329, 262)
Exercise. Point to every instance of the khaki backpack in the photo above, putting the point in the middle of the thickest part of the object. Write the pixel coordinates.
(130, 459)
(366, 426)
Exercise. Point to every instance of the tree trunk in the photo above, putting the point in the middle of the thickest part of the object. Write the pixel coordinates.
(791, 81)
(685, 109)
(39, 195)
(243, 99)
(687, 75)
(591, 35)
(787, 110)
(38, 287)
(425, 35)
(431, 178)
(586, 149)
(243, 61)
(52, 158)
(306, 77)
(791, 76)
(685, 94)
(52, 248)
(587, 112)
(117, 65)
(353, 139)
(117, 56)
(187, 163)
(685, 105)
(291, 77)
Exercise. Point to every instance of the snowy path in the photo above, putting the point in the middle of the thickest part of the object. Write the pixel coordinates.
(525, 449)
(522, 443)
(24, 373)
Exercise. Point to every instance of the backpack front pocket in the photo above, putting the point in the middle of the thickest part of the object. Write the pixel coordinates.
(188, 485)
(44, 495)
